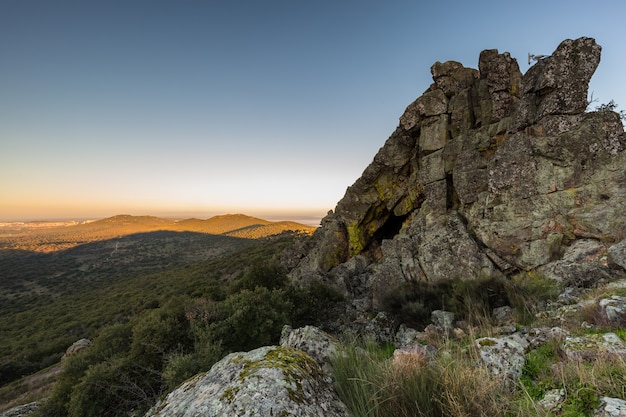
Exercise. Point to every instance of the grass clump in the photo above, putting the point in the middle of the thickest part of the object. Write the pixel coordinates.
(472, 300)
(372, 383)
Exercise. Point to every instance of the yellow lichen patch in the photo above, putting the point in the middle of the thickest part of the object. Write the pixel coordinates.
(293, 363)
(356, 239)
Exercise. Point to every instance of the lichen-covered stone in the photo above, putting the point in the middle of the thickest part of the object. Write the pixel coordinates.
(591, 346)
(504, 356)
(559, 83)
(316, 343)
(269, 381)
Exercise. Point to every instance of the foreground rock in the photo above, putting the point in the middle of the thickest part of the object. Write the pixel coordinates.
(611, 407)
(269, 381)
(490, 172)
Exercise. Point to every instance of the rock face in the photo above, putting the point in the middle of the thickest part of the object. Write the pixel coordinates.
(488, 173)
(268, 381)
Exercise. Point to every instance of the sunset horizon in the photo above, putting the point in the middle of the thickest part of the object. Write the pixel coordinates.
(309, 217)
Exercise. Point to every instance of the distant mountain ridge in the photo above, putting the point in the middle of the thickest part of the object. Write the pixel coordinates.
(64, 237)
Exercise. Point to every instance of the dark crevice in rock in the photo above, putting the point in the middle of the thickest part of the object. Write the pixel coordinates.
(452, 198)
(390, 229)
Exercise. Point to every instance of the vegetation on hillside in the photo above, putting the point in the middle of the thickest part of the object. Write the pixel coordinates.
(151, 330)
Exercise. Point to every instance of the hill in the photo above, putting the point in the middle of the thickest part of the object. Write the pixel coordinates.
(49, 237)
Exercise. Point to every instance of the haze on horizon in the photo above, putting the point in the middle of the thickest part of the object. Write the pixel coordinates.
(265, 108)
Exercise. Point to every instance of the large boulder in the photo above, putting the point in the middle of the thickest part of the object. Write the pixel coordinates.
(489, 173)
(268, 381)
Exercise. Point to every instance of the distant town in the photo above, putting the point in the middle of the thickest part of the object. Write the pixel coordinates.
(41, 224)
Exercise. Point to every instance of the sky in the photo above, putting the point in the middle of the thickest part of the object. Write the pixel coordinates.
(270, 108)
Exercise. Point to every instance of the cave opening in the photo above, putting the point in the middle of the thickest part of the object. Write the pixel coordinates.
(389, 229)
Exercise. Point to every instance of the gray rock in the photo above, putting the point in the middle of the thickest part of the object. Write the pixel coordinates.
(316, 343)
(503, 315)
(617, 254)
(413, 355)
(552, 399)
(381, 329)
(443, 319)
(559, 83)
(76, 347)
(589, 347)
(582, 265)
(24, 410)
(272, 380)
(614, 309)
(406, 336)
(611, 407)
(540, 335)
(504, 356)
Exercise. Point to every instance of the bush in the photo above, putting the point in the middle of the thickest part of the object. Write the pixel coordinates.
(251, 319)
(313, 304)
(180, 366)
(270, 276)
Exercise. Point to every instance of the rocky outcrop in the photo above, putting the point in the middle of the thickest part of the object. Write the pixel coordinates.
(268, 381)
(21, 410)
(489, 172)
(76, 347)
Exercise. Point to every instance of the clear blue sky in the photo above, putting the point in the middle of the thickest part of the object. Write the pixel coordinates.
(263, 107)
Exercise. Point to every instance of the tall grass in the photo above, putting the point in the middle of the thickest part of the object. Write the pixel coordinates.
(374, 385)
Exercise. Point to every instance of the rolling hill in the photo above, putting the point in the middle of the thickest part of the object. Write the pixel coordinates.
(37, 238)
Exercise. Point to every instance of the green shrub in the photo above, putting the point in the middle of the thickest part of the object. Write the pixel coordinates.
(250, 319)
(536, 375)
(270, 276)
(180, 366)
(313, 304)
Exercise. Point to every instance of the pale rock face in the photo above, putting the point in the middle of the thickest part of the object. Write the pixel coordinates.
(591, 346)
(489, 172)
(272, 380)
(611, 407)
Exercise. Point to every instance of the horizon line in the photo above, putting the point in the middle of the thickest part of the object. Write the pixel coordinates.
(313, 217)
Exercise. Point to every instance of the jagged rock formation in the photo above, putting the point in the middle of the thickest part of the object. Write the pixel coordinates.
(489, 172)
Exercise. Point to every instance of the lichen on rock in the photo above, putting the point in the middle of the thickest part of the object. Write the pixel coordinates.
(271, 380)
